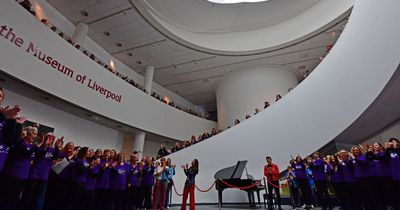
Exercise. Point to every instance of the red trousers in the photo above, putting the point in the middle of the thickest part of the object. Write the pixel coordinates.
(159, 195)
(188, 189)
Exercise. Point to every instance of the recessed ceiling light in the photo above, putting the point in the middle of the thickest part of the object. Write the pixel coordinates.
(175, 66)
(84, 13)
(139, 62)
(119, 44)
(130, 54)
(106, 33)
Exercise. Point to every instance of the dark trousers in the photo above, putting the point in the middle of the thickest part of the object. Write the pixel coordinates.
(89, 199)
(33, 194)
(188, 189)
(295, 195)
(277, 194)
(352, 192)
(305, 191)
(117, 199)
(145, 196)
(74, 199)
(132, 200)
(323, 196)
(10, 192)
(338, 189)
(102, 198)
(56, 192)
(367, 187)
(168, 194)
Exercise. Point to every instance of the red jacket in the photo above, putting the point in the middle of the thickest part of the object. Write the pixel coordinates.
(274, 171)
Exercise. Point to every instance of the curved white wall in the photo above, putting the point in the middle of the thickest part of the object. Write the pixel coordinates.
(240, 92)
(338, 91)
(136, 108)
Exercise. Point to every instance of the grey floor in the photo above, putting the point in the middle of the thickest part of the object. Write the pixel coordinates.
(235, 207)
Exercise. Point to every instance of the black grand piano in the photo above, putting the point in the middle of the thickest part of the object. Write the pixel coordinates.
(232, 175)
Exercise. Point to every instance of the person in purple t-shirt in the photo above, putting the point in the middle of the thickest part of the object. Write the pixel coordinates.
(17, 169)
(318, 168)
(80, 168)
(90, 184)
(103, 193)
(118, 181)
(134, 180)
(147, 169)
(33, 192)
(302, 180)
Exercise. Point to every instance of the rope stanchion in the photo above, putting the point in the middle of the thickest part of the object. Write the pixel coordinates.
(205, 190)
(242, 188)
(276, 186)
(177, 191)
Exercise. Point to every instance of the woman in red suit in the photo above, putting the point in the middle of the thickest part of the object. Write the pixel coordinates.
(190, 183)
(271, 171)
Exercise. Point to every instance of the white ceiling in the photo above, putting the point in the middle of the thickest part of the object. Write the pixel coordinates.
(189, 73)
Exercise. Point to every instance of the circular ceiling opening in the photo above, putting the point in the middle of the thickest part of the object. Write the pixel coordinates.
(234, 1)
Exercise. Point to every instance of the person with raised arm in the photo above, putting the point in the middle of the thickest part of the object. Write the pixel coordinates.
(133, 192)
(102, 194)
(147, 171)
(190, 182)
(302, 180)
(160, 185)
(317, 166)
(118, 181)
(17, 169)
(34, 192)
(171, 173)
(90, 184)
(271, 171)
(80, 169)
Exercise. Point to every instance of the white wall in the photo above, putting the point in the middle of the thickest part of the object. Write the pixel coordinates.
(136, 108)
(240, 92)
(328, 101)
(45, 10)
(80, 131)
(393, 131)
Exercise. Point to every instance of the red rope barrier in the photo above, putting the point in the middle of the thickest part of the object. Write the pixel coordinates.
(207, 189)
(177, 191)
(241, 188)
(276, 186)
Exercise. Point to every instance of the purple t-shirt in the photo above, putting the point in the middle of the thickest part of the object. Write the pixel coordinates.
(79, 171)
(20, 160)
(3, 147)
(119, 176)
(91, 178)
(103, 178)
(134, 176)
(318, 170)
(395, 165)
(147, 175)
(42, 163)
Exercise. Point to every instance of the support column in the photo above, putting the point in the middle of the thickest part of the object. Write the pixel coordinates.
(241, 92)
(138, 142)
(80, 33)
(148, 78)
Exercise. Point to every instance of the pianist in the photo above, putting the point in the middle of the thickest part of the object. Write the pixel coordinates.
(271, 171)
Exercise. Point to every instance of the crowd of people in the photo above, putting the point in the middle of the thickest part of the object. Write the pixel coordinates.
(163, 151)
(37, 171)
(28, 6)
(367, 177)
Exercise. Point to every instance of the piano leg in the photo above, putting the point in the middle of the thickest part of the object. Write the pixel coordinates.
(220, 198)
(251, 198)
(258, 197)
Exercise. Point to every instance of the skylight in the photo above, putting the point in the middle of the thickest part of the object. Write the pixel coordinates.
(234, 1)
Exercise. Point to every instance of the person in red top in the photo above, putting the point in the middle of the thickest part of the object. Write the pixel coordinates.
(271, 171)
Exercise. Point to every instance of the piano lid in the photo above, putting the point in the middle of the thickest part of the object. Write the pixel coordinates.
(233, 172)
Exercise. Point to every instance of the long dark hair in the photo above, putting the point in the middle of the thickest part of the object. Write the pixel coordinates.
(195, 165)
(82, 153)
